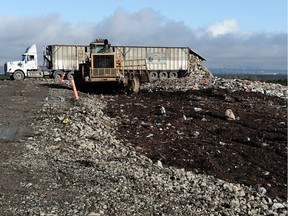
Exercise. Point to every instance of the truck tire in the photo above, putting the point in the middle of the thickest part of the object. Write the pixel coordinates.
(163, 75)
(135, 85)
(173, 74)
(18, 75)
(153, 75)
(58, 75)
(70, 75)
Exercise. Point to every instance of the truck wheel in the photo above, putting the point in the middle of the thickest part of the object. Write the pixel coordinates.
(70, 75)
(18, 75)
(153, 75)
(163, 75)
(58, 76)
(173, 74)
(135, 84)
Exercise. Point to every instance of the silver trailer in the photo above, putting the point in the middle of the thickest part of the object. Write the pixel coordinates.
(65, 57)
(61, 59)
(164, 62)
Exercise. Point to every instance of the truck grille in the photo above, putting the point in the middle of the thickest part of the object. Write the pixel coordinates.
(103, 72)
(103, 61)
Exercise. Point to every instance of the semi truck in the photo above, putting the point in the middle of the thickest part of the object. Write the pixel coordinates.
(161, 62)
(58, 59)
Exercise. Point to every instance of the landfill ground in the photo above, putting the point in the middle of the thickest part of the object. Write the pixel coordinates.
(189, 130)
(182, 129)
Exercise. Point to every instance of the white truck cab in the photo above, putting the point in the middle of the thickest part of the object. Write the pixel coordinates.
(58, 60)
(18, 70)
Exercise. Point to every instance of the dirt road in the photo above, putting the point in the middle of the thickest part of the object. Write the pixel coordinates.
(19, 104)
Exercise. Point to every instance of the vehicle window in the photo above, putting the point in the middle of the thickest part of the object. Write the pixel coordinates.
(30, 58)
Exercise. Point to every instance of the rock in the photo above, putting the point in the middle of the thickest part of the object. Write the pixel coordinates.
(229, 114)
(276, 206)
(93, 214)
(159, 164)
(241, 193)
(262, 190)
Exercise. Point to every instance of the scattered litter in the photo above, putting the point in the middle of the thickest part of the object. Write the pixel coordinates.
(197, 109)
(162, 109)
(222, 143)
(196, 134)
(184, 117)
(65, 121)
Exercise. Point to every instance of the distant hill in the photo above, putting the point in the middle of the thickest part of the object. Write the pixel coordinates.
(1, 69)
(247, 71)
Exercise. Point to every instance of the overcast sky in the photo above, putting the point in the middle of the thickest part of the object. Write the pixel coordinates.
(228, 33)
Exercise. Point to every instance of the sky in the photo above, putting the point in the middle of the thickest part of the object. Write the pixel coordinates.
(234, 34)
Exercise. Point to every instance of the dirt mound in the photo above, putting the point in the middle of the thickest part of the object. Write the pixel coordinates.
(190, 130)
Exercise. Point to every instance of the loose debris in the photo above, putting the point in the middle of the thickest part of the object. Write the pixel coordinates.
(152, 154)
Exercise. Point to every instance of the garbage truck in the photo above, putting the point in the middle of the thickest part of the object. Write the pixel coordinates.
(58, 60)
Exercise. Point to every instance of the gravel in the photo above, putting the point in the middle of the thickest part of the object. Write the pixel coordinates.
(81, 168)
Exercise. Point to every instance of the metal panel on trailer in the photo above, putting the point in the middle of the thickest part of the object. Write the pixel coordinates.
(66, 57)
(157, 58)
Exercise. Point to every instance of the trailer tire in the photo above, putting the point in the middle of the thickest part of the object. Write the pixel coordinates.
(173, 74)
(153, 75)
(70, 75)
(163, 75)
(58, 75)
(135, 85)
(18, 75)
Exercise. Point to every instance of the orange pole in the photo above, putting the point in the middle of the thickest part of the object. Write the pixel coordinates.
(74, 89)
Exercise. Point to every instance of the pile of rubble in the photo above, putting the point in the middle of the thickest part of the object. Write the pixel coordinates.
(88, 171)
(198, 81)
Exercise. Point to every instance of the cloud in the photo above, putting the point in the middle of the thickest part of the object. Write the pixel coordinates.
(224, 27)
(223, 43)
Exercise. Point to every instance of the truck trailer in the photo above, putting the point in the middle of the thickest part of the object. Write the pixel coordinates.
(58, 59)
(165, 62)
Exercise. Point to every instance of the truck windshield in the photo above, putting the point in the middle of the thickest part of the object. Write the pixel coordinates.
(23, 57)
(96, 48)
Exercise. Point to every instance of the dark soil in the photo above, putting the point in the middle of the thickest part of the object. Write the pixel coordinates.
(250, 150)
(19, 104)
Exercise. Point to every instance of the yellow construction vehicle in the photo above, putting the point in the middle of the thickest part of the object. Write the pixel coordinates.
(104, 65)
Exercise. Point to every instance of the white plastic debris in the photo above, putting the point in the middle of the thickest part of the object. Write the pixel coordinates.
(163, 111)
(197, 109)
